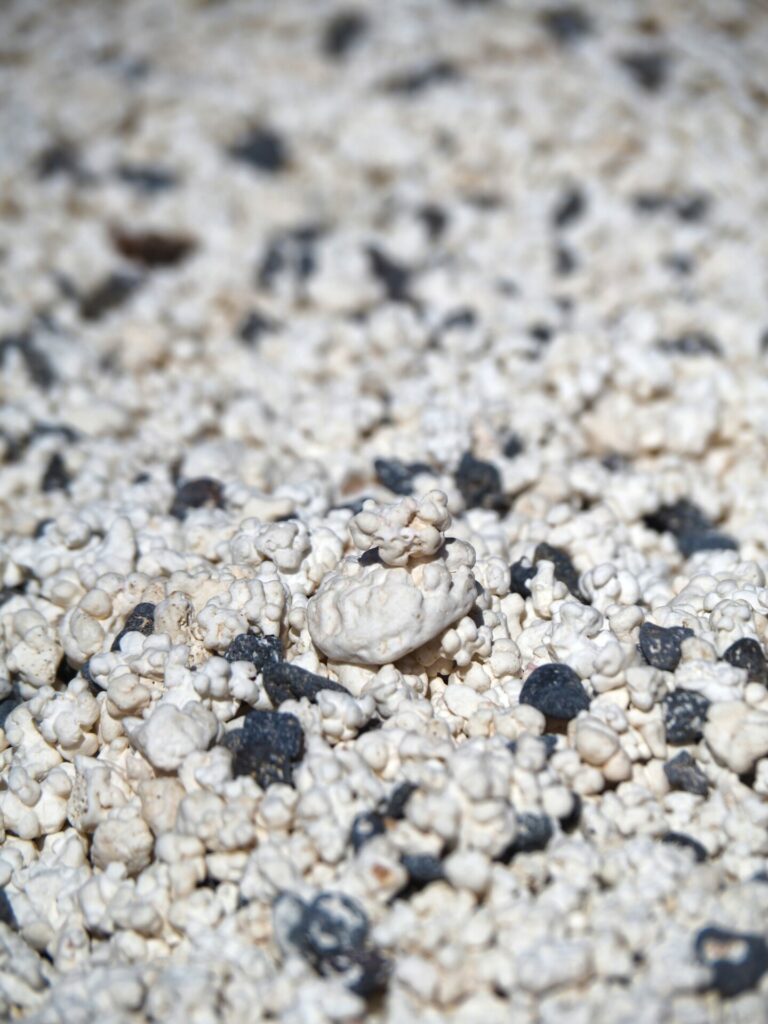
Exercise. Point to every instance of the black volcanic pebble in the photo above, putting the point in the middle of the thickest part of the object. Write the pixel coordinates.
(571, 820)
(534, 832)
(564, 569)
(140, 620)
(334, 924)
(748, 654)
(146, 178)
(55, 477)
(365, 827)
(683, 773)
(569, 207)
(661, 646)
(479, 482)
(370, 557)
(342, 33)
(7, 915)
(262, 149)
(693, 530)
(397, 476)
(422, 869)
(566, 24)
(391, 275)
(6, 707)
(418, 80)
(197, 493)
(649, 70)
(692, 208)
(397, 800)
(685, 713)
(513, 446)
(153, 248)
(686, 842)
(706, 540)
(108, 294)
(269, 746)
(363, 971)
(737, 960)
(259, 650)
(85, 672)
(58, 158)
(290, 253)
(284, 681)
(556, 691)
(692, 343)
(36, 362)
(519, 574)
(253, 325)
(434, 218)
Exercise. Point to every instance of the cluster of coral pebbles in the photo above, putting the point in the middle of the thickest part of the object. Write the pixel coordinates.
(383, 492)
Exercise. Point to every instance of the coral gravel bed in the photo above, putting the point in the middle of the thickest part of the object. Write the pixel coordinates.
(383, 491)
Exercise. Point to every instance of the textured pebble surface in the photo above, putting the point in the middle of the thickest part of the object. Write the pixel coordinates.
(383, 534)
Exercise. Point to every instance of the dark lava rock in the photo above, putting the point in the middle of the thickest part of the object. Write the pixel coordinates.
(363, 971)
(748, 654)
(365, 827)
(333, 924)
(108, 295)
(140, 620)
(261, 148)
(146, 178)
(661, 646)
(569, 208)
(289, 253)
(36, 362)
(397, 476)
(683, 773)
(686, 842)
(737, 960)
(370, 557)
(55, 477)
(284, 681)
(479, 483)
(566, 24)
(692, 343)
(556, 691)
(201, 492)
(269, 746)
(692, 208)
(411, 83)
(685, 713)
(259, 650)
(693, 530)
(153, 248)
(342, 33)
(60, 158)
(254, 325)
(649, 70)
(534, 832)
(422, 868)
(519, 574)
(391, 275)
(6, 707)
(397, 800)
(435, 220)
(708, 540)
(564, 569)
(7, 915)
(513, 446)
(571, 821)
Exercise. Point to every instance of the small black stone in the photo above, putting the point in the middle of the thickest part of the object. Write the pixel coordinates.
(686, 842)
(534, 832)
(140, 620)
(564, 569)
(363, 971)
(147, 179)
(395, 475)
(685, 713)
(479, 482)
(370, 557)
(262, 149)
(649, 70)
(513, 446)
(108, 295)
(289, 252)
(411, 83)
(569, 207)
(566, 24)
(41, 527)
(60, 158)
(435, 220)
(660, 646)
(36, 362)
(7, 915)
(397, 800)
(519, 574)
(393, 277)
(153, 248)
(691, 343)
(614, 462)
(365, 827)
(253, 325)
(748, 654)
(342, 32)
(55, 477)
(565, 261)
(202, 491)
(284, 681)
(268, 746)
(62, 429)
(259, 650)
(85, 672)
(742, 969)
(556, 691)
(334, 924)
(6, 707)
(422, 869)
(678, 518)
(683, 773)
(706, 540)
(692, 208)
(540, 332)
(463, 317)
(571, 821)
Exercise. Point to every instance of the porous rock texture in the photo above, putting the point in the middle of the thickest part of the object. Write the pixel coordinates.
(383, 547)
